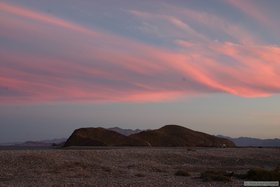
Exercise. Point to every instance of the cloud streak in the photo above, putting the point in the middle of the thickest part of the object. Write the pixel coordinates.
(263, 15)
(54, 59)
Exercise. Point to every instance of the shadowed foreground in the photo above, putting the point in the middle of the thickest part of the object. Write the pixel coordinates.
(130, 166)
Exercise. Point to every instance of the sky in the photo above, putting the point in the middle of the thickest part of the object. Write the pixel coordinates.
(212, 66)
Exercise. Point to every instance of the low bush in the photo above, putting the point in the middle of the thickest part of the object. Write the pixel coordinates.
(263, 174)
(139, 175)
(216, 176)
(182, 173)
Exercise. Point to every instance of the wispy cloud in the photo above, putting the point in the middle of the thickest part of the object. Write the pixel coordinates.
(258, 12)
(173, 26)
(58, 59)
(220, 25)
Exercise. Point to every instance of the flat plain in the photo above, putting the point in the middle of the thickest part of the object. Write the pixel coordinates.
(129, 166)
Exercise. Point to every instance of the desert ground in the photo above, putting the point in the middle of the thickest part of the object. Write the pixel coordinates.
(129, 166)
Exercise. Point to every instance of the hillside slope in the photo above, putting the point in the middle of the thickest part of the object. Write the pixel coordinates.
(101, 137)
(175, 136)
(167, 136)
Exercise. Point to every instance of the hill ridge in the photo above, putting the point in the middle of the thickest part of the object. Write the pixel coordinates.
(166, 136)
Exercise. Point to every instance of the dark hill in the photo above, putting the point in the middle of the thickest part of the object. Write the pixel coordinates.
(167, 136)
(175, 136)
(101, 137)
(125, 132)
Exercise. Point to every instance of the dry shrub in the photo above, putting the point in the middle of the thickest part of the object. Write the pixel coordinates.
(263, 175)
(158, 170)
(106, 169)
(139, 175)
(182, 173)
(216, 176)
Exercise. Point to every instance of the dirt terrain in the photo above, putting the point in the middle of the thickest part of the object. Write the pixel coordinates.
(130, 166)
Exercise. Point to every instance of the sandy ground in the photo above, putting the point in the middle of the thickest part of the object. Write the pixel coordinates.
(128, 166)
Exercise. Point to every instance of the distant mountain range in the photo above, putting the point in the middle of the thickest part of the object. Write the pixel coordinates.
(254, 142)
(241, 141)
(40, 143)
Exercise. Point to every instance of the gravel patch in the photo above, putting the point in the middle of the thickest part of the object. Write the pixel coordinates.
(129, 166)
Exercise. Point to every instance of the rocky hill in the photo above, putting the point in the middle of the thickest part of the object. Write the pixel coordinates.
(176, 136)
(101, 137)
(167, 136)
(125, 132)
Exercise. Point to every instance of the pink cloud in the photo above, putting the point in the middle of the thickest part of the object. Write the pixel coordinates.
(176, 26)
(217, 23)
(257, 12)
(40, 17)
(252, 74)
(89, 64)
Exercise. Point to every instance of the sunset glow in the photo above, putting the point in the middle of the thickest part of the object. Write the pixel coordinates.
(137, 52)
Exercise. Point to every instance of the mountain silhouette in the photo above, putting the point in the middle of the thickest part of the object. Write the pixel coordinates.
(101, 137)
(175, 136)
(167, 136)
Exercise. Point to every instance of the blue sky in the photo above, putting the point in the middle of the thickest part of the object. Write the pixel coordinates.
(211, 66)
